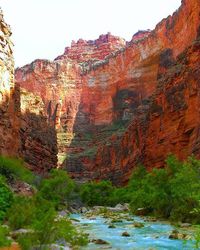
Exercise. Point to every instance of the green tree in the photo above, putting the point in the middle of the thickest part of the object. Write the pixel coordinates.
(13, 169)
(57, 188)
(96, 193)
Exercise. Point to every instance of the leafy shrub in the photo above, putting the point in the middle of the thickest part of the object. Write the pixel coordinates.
(21, 213)
(6, 198)
(13, 169)
(119, 196)
(57, 188)
(137, 176)
(4, 240)
(152, 193)
(39, 215)
(96, 193)
(172, 192)
(197, 238)
(49, 231)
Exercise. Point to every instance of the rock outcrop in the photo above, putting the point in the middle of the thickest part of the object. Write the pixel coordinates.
(82, 50)
(115, 104)
(9, 95)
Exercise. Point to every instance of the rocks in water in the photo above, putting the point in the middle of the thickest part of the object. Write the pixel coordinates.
(150, 219)
(83, 210)
(117, 208)
(111, 215)
(92, 218)
(121, 208)
(116, 220)
(97, 208)
(100, 242)
(125, 234)
(176, 235)
(111, 226)
(73, 210)
(138, 224)
(126, 207)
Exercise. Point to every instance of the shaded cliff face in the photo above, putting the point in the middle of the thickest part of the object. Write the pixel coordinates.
(9, 95)
(109, 101)
(25, 130)
(167, 122)
(37, 134)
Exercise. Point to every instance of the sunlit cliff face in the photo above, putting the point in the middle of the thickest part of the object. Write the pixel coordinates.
(97, 90)
(9, 109)
(6, 61)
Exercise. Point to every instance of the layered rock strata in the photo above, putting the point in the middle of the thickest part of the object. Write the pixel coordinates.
(9, 95)
(37, 134)
(115, 104)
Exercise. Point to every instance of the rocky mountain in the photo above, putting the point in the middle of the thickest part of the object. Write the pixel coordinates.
(105, 106)
(9, 95)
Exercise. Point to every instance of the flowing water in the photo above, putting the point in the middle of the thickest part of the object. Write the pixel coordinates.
(153, 236)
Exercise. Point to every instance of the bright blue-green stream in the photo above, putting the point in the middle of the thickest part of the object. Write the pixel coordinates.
(153, 236)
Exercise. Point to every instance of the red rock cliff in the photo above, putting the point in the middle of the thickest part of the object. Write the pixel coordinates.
(9, 95)
(114, 105)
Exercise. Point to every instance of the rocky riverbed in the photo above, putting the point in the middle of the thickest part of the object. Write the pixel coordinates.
(113, 228)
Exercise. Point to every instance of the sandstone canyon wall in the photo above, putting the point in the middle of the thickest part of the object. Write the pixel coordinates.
(113, 104)
(9, 95)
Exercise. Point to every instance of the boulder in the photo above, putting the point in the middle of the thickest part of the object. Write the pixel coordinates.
(125, 234)
(176, 235)
(83, 210)
(100, 242)
(111, 226)
(138, 224)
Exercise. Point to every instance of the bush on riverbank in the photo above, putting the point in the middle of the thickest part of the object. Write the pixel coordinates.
(38, 217)
(4, 240)
(6, 198)
(172, 192)
(57, 188)
(36, 214)
(96, 193)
